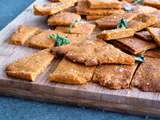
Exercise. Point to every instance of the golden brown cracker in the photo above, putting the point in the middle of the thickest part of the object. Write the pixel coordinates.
(155, 32)
(144, 35)
(109, 4)
(114, 76)
(154, 53)
(80, 28)
(42, 40)
(111, 22)
(83, 9)
(152, 3)
(142, 21)
(93, 17)
(22, 34)
(116, 34)
(147, 75)
(134, 45)
(52, 8)
(71, 73)
(30, 67)
(93, 53)
(63, 18)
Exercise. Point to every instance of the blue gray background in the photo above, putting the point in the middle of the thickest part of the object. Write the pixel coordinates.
(19, 109)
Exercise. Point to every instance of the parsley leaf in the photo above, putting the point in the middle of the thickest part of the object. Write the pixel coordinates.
(122, 23)
(72, 25)
(139, 58)
(59, 39)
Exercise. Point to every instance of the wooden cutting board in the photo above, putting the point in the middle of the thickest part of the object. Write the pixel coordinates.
(92, 95)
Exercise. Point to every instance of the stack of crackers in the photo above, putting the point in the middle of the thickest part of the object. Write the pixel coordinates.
(110, 42)
(94, 9)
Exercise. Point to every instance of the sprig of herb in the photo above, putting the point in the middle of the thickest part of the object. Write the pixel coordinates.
(122, 23)
(128, 8)
(138, 1)
(59, 39)
(72, 25)
(139, 58)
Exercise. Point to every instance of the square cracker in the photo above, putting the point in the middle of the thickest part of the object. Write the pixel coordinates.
(71, 73)
(114, 76)
(30, 67)
(23, 33)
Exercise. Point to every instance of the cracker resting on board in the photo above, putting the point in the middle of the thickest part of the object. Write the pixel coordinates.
(147, 75)
(30, 67)
(93, 53)
(114, 76)
(23, 33)
(71, 73)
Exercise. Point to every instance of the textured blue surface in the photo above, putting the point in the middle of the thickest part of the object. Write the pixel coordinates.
(18, 109)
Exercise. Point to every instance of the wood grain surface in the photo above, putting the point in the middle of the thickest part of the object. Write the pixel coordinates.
(128, 101)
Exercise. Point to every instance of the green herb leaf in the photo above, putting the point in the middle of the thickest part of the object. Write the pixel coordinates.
(128, 8)
(122, 23)
(60, 40)
(138, 1)
(72, 25)
(139, 58)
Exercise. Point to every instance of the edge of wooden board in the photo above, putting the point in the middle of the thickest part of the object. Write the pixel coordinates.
(129, 101)
(39, 93)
